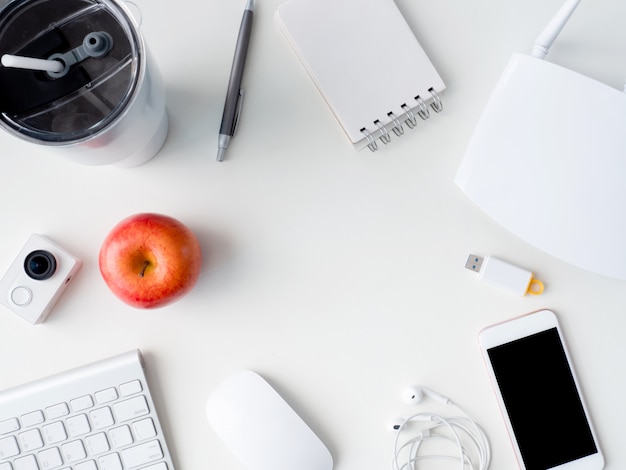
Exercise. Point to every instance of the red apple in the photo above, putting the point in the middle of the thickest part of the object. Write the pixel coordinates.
(150, 260)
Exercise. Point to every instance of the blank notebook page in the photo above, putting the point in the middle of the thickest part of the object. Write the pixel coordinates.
(362, 56)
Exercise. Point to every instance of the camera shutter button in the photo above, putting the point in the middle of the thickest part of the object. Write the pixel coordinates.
(21, 296)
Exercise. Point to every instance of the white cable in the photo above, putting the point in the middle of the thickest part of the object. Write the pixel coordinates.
(472, 452)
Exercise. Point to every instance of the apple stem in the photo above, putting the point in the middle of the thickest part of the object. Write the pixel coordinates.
(145, 265)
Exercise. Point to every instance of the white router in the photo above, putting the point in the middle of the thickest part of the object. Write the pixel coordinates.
(547, 159)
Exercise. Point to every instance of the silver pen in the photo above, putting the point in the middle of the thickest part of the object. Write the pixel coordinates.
(234, 94)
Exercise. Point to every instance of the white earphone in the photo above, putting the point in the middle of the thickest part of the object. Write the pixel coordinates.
(413, 395)
(472, 450)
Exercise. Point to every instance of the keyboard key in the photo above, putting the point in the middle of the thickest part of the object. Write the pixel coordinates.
(31, 440)
(73, 451)
(9, 425)
(97, 444)
(50, 458)
(121, 436)
(81, 403)
(142, 454)
(30, 419)
(105, 396)
(144, 429)
(53, 433)
(57, 411)
(102, 418)
(5, 466)
(26, 463)
(133, 408)
(130, 388)
(158, 466)
(110, 462)
(88, 465)
(77, 425)
(8, 447)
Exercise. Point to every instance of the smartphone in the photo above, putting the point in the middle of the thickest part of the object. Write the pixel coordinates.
(539, 395)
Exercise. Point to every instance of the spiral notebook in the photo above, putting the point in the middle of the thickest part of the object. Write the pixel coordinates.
(367, 64)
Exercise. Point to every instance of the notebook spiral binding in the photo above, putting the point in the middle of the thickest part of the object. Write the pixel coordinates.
(409, 118)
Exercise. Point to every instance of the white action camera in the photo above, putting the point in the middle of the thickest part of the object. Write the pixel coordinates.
(37, 278)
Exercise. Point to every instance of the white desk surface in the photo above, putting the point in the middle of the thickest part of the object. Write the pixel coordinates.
(338, 275)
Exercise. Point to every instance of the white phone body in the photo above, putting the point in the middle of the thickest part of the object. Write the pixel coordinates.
(538, 393)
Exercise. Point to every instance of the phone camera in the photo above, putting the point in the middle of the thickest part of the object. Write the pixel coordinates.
(40, 265)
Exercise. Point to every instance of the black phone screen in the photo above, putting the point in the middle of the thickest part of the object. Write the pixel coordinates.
(542, 401)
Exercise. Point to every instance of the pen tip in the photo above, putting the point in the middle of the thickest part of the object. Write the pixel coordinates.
(250, 5)
(220, 154)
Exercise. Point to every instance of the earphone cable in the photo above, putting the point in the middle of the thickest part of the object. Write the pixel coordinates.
(459, 428)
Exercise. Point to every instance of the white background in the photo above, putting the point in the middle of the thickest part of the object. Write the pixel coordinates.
(337, 275)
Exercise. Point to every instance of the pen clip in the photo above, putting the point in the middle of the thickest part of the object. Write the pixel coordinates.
(238, 111)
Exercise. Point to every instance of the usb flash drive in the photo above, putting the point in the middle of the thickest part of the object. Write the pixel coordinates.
(517, 280)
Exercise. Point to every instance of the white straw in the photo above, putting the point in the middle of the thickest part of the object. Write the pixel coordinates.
(30, 63)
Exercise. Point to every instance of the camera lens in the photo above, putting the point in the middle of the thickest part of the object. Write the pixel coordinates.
(40, 265)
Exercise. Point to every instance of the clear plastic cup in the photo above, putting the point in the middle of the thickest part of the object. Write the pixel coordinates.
(104, 110)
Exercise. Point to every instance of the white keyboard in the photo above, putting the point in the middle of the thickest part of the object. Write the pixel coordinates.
(97, 417)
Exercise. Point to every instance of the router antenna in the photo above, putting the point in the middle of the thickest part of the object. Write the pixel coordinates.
(552, 30)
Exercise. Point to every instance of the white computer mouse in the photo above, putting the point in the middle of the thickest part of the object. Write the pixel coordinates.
(261, 429)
